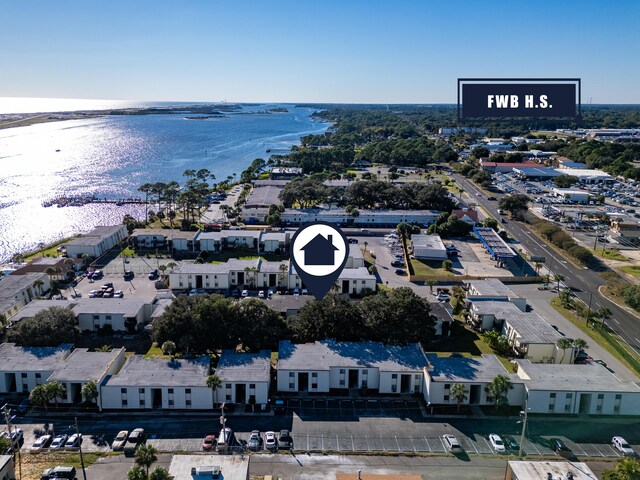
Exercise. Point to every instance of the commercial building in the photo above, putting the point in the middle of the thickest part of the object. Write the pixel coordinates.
(22, 368)
(18, 290)
(624, 226)
(475, 374)
(588, 389)
(428, 247)
(585, 176)
(495, 245)
(573, 196)
(536, 173)
(331, 366)
(245, 377)
(82, 367)
(505, 167)
(545, 470)
(96, 242)
(158, 383)
(456, 130)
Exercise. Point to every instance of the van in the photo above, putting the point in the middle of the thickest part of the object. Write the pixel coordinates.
(59, 472)
(226, 440)
(137, 437)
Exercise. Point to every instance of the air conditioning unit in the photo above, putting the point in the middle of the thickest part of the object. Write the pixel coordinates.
(206, 471)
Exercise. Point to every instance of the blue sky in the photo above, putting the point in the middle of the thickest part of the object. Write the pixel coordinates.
(303, 51)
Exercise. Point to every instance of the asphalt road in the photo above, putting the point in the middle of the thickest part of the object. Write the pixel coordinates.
(581, 280)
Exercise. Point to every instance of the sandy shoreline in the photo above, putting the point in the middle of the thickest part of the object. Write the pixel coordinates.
(27, 119)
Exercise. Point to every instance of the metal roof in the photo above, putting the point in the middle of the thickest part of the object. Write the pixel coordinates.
(494, 243)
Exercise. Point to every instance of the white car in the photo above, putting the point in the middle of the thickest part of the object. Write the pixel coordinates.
(451, 443)
(261, 294)
(270, 441)
(245, 293)
(119, 294)
(305, 291)
(622, 445)
(41, 443)
(496, 442)
(93, 293)
(443, 297)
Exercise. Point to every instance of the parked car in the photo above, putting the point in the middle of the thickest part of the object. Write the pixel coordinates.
(400, 271)
(59, 441)
(118, 294)
(24, 405)
(443, 297)
(226, 440)
(41, 443)
(120, 440)
(59, 472)
(16, 437)
(452, 444)
(136, 438)
(261, 294)
(74, 441)
(353, 240)
(95, 293)
(511, 443)
(397, 263)
(559, 446)
(245, 293)
(496, 442)
(128, 275)
(622, 445)
(255, 441)
(270, 441)
(304, 291)
(296, 291)
(209, 443)
(491, 198)
(153, 274)
(285, 442)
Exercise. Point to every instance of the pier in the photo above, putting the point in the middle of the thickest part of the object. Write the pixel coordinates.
(86, 200)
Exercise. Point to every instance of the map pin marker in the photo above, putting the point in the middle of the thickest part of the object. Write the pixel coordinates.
(319, 251)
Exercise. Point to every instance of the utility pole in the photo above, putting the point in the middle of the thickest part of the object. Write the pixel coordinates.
(84, 473)
(7, 416)
(524, 415)
(589, 308)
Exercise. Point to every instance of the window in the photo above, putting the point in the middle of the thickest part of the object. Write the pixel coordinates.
(188, 403)
(342, 371)
(141, 391)
(170, 391)
(187, 391)
(96, 317)
(314, 374)
(618, 396)
(394, 376)
(447, 386)
(124, 402)
(364, 383)
(38, 376)
(142, 403)
(227, 386)
(552, 395)
(123, 390)
(24, 375)
(569, 395)
(616, 409)
(252, 386)
(314, 386)
(599, 408)
(171, 402)
(394, 388)
(417, 378)
(292, 374)
(108, 317)
(567, 407)
(446, 398)
(342, 383)
(292, 386)
(601, 396)
(228, 397)
(551, 407)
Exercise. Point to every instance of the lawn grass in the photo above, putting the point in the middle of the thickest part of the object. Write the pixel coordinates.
(33, 465)
(632, 270)
(50, 250)
(421, 268)
(155, 352)
(604, 336)
(609, 254)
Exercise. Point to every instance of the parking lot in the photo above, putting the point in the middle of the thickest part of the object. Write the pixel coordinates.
(139, 287)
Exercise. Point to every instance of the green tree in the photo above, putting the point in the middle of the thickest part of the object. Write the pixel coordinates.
(5, 444)
(39, 395)
(566, 297)
(146, 456)
(580, 344)
(262, 326)
(499, 388)
(459, 393)
(136, 473)
(160, 473)
(48, 328)
(565, 181)
(104, 348)
(169, 348)
(431, 284)
(332, 317)
(447, 265)
(89, 391)
(515, 203)
(490, 222)
(627, 468)
(214, 383)
(54, 390)
(563, 343)
(558, 277)
(605, 314)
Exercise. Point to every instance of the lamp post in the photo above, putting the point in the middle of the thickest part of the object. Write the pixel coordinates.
(524, 415)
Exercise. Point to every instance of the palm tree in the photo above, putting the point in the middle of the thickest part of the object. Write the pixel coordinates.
(136, 473)
(38, 286)
(627, 468)
(104, 348)
(89, 391)
(558, 277)
(146, 456)
(39, 395)
(431, 284)
(283, 272)
(459, 393)
(499, 388)
(605, 314)
(563, 343)
(163, 269)
(537, 266)
(169, 348)
(160, 473)
(54, 390)
(171, 265)
(214, 383)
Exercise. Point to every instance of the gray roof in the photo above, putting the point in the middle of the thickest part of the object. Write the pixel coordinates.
(169, 234)
(128, 307)
(156, 372)
(95, 236)
(427, 241)
(32, 359)
(214, 268)
(273, 267)
(491, 287)
(538, 470)
(264, 196)
(360, 273)
(462, 369)
(244, 367)
(270, 182)
(161, 305)
(499, 309)
(532, 328)
(83, 365)
(35, 306)
(591, 377)
(14, 284)
(330, 353)
(279, 236)
(342, 211)
(354, 251)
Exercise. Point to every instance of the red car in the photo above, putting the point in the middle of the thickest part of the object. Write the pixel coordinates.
(209, 443)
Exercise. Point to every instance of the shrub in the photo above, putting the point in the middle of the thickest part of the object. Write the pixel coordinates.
(631, 296)
(447, 265)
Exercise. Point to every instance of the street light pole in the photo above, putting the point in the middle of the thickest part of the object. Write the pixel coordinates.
(589, 308)
(7, 416)
(524, 415)
(84, 473)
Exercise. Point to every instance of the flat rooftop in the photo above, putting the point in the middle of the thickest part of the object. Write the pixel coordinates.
(14, 284)
(244, 367)
(591, 377)
(156, 372)
(428, 241)
(233, 467)
(95, 236)
(282, 303)
(330, 353)
(215, 268)
(359, 273)
(532, 328)
(83, 365)
(462, 369)
(32, 359)
(34, 307)
(523, 470)
(127, 307)
(167, 233)
(499, 309)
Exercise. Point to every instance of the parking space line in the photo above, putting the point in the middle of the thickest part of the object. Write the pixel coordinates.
(337, 442)
(384, 449)
(427, 442)
(584, 453)
(322, 441)
(397, 443)
(442, 442)
(535, 448)
(367, 439)
(413, 444)
(596, 449)
(491, 450)
(353, 445)
(471, 443)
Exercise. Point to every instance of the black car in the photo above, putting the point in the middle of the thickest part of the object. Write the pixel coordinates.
(511, 443)
(397, 263)
(153, 274)
(491, 198)
(400, 271)
(558, 446)
(128, 275)
(285, 442)
(353, 240)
